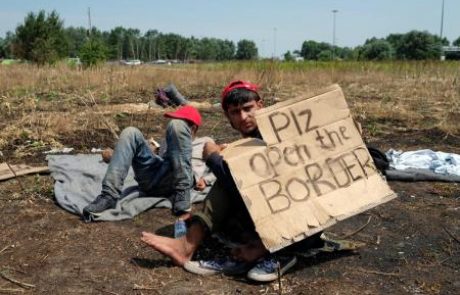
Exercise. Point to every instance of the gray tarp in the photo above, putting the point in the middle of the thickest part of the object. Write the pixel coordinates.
(412, 175)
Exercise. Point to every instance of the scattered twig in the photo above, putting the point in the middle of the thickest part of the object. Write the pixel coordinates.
(20, 284)
(444, 260)
(6, 248)
(375, 272)
(451, 235)
(358, 230)
(139, 287)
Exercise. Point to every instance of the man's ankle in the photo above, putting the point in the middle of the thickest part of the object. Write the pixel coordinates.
(184, 216)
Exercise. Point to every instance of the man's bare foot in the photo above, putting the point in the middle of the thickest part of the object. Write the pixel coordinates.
(179, 250)
(176, 249)
(249, 252)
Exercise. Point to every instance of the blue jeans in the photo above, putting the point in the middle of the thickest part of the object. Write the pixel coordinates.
(157, 176)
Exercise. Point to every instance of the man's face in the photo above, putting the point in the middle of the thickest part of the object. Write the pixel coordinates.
(242, 118)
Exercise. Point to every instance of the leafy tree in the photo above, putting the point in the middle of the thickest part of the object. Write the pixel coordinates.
(115, 43)
(395, 40)
(209, 49)
(443, 41)
(173, 46)
(288, 56)
(41, 38)
(311, 49)
(456, 42)
(417, 45)
(2, 45)
(246, 50)
(376, 49)
(76, 38)
(7, 45)
(345, 53)
(131, 45)
(192, 48)
(93, 52)
(325, 55)
(226, 50)
(150, 39)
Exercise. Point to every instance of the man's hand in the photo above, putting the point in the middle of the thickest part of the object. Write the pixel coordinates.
(200, 184)
(107, 155)
(210, 148)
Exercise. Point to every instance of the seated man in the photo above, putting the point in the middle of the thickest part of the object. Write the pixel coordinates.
(170, 175)
(224, 209)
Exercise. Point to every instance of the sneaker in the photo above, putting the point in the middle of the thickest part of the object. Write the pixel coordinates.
(181, 202)
(161, 98)
(101, 203)
(175, 97)
(267, 269)
(212, 267)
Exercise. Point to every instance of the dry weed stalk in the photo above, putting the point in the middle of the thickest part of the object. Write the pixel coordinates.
(423, 95)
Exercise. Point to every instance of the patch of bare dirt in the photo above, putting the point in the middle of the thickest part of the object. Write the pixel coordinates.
(412, 242)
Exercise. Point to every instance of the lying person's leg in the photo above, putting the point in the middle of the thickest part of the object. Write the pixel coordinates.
(131, 149)
(179, 155)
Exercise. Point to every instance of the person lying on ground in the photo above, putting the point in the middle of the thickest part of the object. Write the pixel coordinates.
(170, 175)
(225, 210)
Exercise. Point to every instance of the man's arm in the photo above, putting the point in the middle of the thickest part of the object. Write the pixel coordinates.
(218, 166)
(215, 162)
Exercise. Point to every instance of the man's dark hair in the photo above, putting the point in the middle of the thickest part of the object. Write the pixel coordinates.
(239, 96)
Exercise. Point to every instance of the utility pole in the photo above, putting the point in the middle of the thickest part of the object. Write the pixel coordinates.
(89, 21)
(442, 19)
(274, 43)
(90, 29)
(443, 55)
(334, 12)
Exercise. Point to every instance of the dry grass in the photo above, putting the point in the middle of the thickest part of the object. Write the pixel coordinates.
(44, 104)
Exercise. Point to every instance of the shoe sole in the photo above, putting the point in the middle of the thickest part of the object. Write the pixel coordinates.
(196, 268)
(271, 277)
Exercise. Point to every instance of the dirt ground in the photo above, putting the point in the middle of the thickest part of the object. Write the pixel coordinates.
(412, 242)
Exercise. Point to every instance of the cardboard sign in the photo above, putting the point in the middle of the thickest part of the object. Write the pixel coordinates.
(312, 169)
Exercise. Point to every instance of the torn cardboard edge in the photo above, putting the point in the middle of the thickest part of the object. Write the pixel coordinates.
(311, 171)
(19, 170)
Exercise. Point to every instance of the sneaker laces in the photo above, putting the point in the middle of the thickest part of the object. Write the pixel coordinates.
(213, 264)
(268, 265)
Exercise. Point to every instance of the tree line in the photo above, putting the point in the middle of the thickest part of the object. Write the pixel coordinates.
(414, 45)
(43, 39)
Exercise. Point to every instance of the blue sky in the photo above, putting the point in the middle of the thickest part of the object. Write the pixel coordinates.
(275, 26)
